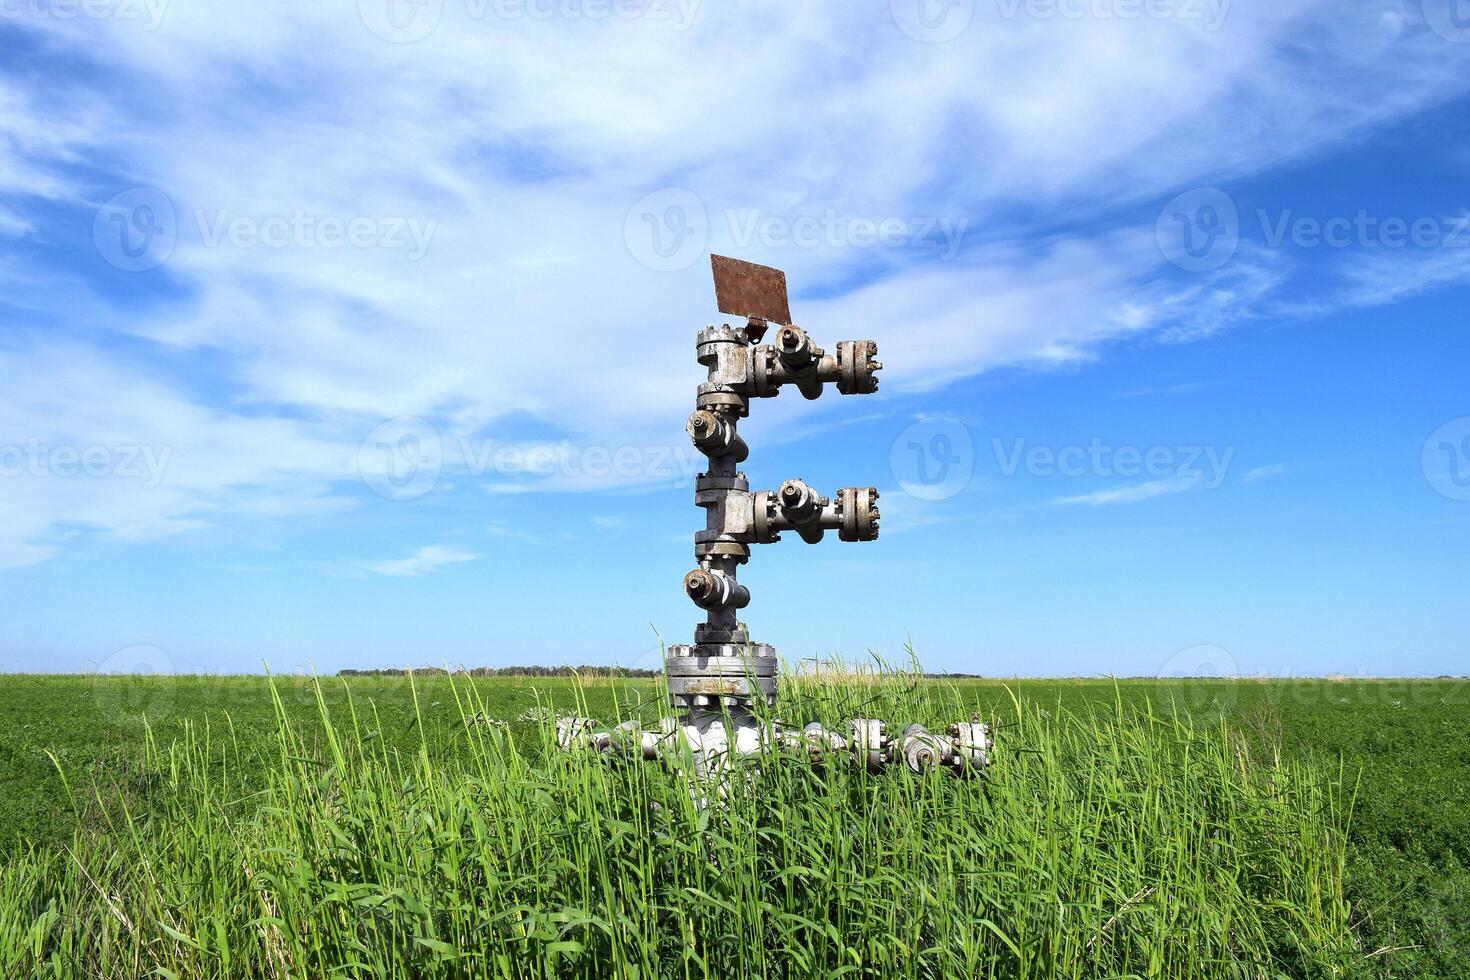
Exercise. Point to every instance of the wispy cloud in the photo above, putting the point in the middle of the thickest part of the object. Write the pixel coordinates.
(1264, 472)
(1174, 388)
(1131, 493)
(425, 560)
(278, 357)
(903, 512)
(1373, 278)
(520, 532)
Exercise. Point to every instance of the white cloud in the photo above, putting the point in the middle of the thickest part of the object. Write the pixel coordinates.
(523, 144)
(1264, 472)
(1377, 277)
(426, 559)
(1133, 492)
(902, 512)
(10, 224)
(88, 443)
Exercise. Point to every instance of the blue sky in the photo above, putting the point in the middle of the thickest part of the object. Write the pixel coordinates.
(360, 333)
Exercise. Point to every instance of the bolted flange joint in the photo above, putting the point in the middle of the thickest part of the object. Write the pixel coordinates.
(702, 676)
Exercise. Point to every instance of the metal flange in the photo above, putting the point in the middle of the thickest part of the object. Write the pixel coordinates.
(703, 672)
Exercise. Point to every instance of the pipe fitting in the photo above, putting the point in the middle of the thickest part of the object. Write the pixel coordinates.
(922, 750)
(714, 435)
(573, 731)
(857, 367)
(857, 513)
(794, 347)
(972, 744)
(799, 502)
(870, 743)
(713, 589)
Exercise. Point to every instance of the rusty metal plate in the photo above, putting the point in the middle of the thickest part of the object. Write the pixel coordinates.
(756, 292)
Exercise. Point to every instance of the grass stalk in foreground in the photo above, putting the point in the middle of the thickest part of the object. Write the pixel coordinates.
(1104, 844)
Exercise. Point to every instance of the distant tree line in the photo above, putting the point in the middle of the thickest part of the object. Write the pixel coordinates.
(581, 670)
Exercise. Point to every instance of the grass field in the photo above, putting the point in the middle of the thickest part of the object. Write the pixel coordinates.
(1304, 828)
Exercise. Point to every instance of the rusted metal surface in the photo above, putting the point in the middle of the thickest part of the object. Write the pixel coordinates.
(756, 292)
(715, 687)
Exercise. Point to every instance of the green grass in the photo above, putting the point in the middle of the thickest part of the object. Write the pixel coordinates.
(1275, 829)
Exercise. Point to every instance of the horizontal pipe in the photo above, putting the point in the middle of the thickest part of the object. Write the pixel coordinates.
(712, 738)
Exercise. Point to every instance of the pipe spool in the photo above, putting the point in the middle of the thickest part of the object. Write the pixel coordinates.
(714, 739)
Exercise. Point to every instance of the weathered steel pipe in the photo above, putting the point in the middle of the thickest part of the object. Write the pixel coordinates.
(712, 740)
